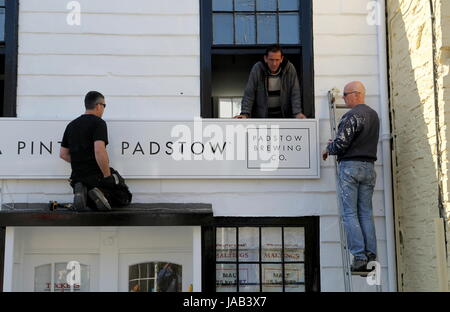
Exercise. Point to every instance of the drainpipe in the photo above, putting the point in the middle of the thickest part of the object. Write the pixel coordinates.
(386, 147)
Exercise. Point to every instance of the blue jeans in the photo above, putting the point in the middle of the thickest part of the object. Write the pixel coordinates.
(356, 185)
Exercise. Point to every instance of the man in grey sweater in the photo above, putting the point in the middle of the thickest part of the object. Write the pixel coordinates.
(356, 148)
(272, 90)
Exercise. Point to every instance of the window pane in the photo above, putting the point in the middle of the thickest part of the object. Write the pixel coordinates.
(226, 244)
(248, 244)
(294, 244)
(267, 28)
(226, 277)
(2, 24)
(2, 3)
(288, 5)
(244, 5)
(60, 276)
(266, 5)
(249, 278)
(133, 272)
(223, 28)
(245, 29)
(225, 108)
(42, 278)
(143, 270)
(222, 5)
(294, 277)
(272, 278)
(289, 28)
(271, 244)
(169, 277)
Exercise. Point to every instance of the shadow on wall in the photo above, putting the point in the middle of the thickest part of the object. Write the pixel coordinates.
(415, 177)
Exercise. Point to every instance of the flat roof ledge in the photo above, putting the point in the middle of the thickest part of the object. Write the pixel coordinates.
(142, 214)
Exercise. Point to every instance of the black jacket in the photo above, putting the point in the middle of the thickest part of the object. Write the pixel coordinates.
(357, 135)
(254, 102)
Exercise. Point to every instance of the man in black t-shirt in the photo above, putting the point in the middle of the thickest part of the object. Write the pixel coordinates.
(84, 147)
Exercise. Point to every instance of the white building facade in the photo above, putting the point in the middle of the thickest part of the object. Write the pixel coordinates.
(157, 61)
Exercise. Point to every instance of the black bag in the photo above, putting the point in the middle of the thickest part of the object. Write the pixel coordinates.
(117, 191)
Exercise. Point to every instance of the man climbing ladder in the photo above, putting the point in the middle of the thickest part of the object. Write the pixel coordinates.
(355, 145)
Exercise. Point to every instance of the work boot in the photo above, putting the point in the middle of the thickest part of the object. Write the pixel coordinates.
(359, 265)
(99, 199)
(79, 197)
(371, 257)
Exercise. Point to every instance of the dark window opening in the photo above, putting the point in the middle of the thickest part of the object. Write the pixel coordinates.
(234, 35)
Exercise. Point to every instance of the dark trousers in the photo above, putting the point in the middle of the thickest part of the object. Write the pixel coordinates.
(95, 181)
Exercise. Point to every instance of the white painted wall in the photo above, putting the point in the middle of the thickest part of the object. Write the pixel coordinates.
(144, 56)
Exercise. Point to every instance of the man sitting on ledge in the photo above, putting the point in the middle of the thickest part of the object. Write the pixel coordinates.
(84, 147)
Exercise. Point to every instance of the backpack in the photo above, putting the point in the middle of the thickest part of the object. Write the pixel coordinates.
(121, 195)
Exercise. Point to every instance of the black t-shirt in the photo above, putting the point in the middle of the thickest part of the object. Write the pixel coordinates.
(79, 138)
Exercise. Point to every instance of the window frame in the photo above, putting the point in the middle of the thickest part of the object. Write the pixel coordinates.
(304, 50)
(10, 50)
(312, 246)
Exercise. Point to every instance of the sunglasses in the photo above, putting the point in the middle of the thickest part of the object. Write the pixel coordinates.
(104, 105)
(345, 94)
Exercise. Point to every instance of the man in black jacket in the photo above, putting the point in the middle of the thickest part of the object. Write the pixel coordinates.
(272, 90)
(356, 148)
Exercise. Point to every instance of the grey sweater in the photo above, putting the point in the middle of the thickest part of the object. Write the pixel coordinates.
(357, 135)
(254, 102)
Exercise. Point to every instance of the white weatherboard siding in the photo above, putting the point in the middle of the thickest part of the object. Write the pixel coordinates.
(144, 56)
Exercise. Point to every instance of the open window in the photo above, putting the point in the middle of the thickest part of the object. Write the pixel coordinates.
(234, 36)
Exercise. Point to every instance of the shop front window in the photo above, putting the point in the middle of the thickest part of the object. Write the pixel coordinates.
(268, 259)
(155, 277)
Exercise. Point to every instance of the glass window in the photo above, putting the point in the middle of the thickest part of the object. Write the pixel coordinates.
(269, 259)
(54, 277)
(248, 244)
(43, 278)
(248, 277)
(252, 22)
(155, 277)
(289, 28)
(288, 5)
(245, 29)
(266, 5)
(267, 28)
(272, 277)
(226, 277)
(271, 244)
(222, 5)
(244, 5)
(2, 23)
(223, 28)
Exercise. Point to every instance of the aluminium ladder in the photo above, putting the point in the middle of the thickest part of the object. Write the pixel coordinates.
(344, 247)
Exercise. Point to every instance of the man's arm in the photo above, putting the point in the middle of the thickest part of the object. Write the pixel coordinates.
(101, 156)
(345, 136)
(64, 153)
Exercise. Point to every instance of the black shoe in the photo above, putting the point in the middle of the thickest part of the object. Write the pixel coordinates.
(359, 265)
(371, 257)
(79, 197)
(99, 199)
